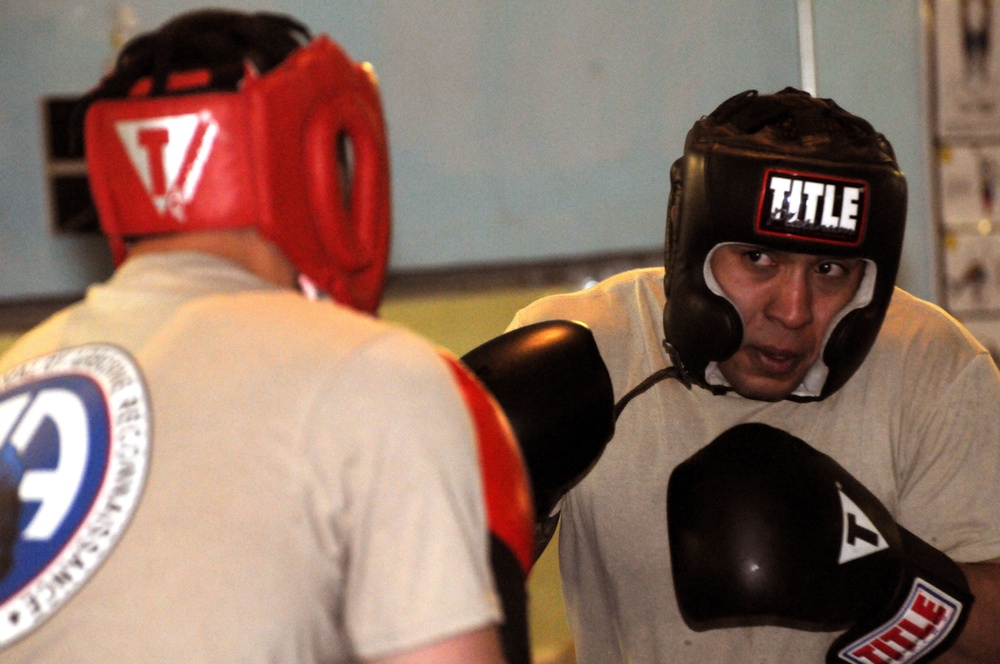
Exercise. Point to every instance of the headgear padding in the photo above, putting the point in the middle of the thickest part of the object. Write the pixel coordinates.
(787, 172)
(262, 156)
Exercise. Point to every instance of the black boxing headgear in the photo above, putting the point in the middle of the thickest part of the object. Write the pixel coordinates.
(225, 120)
(793, 173)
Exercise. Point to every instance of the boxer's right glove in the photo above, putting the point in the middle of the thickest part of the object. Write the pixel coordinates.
(552, 384)
(766, 530)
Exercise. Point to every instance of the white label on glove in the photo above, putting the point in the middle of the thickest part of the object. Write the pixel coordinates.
(860, 537)
(924, 621)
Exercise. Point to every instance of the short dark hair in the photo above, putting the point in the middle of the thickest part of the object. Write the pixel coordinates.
(793, 122)
(219, 41)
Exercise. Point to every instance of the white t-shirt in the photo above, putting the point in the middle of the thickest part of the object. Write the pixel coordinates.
(918, 424)
(313, 492)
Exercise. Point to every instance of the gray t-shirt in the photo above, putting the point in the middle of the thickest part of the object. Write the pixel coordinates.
(918, 424)
(313, 492)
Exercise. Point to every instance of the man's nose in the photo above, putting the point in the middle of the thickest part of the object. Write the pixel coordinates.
(791, 301)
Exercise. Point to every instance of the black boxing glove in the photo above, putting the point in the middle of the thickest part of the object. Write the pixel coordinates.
(766, 530)
(553, 386)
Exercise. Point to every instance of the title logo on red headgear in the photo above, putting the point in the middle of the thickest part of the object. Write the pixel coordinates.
(169, 155)
(813, 207)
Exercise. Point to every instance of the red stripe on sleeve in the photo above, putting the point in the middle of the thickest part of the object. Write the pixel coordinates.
(505, 481)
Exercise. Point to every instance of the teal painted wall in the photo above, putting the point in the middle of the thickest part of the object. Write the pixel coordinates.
(520, 130)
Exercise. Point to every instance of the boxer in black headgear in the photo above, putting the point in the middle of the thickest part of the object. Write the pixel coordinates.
(778, 308)
(794, 174)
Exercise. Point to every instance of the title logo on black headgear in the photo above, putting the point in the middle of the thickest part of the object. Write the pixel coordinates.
(813, 207)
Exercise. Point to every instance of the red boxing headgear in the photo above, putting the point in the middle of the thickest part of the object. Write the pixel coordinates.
(263, 157)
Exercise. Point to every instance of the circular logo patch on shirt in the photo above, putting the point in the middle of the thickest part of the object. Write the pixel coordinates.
(74, 453)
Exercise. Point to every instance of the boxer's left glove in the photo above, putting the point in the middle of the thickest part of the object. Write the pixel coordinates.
(555, 389)
(766, 530)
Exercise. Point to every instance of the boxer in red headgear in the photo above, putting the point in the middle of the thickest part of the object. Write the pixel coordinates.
(182, 152)
(212, 467)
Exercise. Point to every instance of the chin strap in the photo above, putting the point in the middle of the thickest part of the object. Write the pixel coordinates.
(676, 370)
(310, 290)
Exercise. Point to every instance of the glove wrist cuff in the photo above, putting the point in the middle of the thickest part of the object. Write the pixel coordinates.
(924, 619)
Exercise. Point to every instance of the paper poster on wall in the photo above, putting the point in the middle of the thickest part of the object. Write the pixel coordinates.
(968, 68)
(970, 216)
(972, 273)
(970, 187)
(966, 85)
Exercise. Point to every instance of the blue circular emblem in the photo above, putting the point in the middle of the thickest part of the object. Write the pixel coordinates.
(74, 450)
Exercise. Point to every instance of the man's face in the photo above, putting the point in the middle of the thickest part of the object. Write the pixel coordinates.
(786, 301)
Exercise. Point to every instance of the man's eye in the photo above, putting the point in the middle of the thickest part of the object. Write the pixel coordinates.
(831, 269)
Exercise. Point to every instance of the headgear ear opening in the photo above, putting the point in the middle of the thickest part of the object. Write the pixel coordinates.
(350, 193)
(673, 217)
